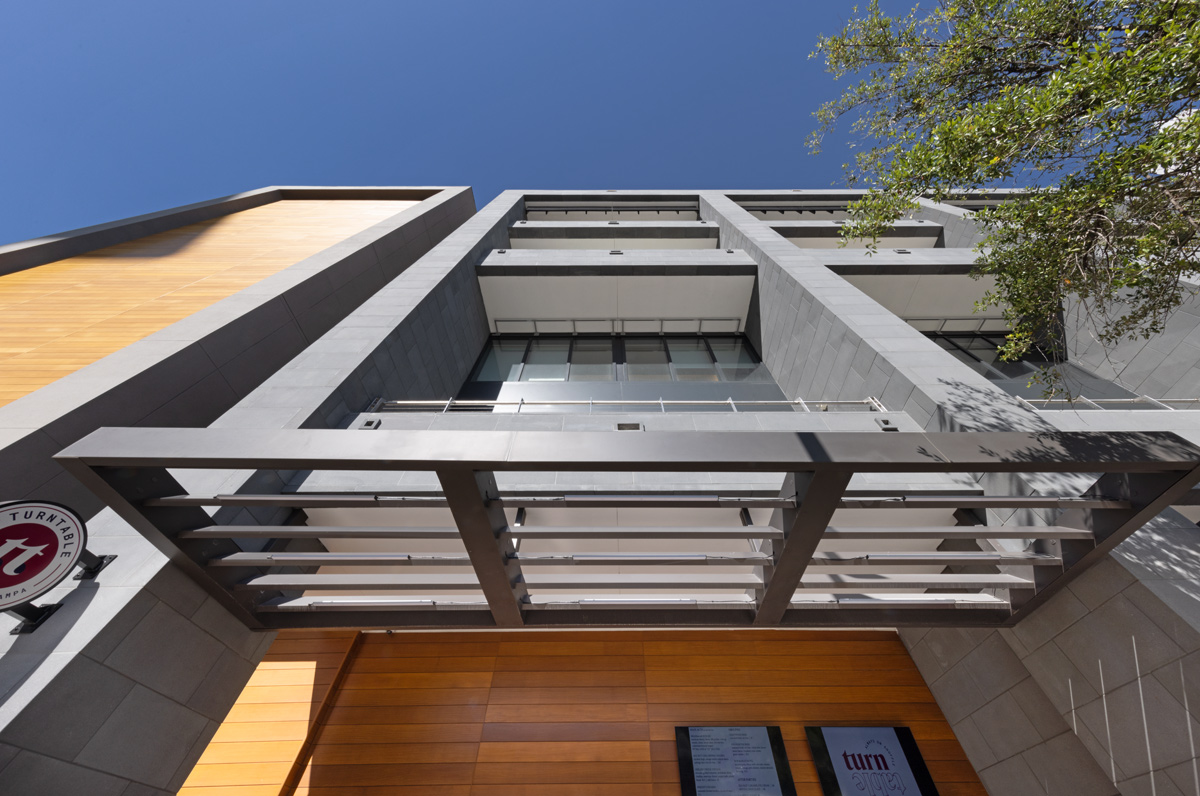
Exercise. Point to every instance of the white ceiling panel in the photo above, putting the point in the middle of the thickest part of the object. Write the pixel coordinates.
(619, 297)
(927, 295)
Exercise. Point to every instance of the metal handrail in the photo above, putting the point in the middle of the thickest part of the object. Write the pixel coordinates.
(1157, 404)
(616, 325)
(871, 404)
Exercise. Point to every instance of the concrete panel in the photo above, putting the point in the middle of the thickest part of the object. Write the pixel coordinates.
(174, 669)
(32, 774)
(145, 739)
(1049, 620)
(1164, 366)
(1045, 719)
(973, 743)
(1011, 777)
(1005, 727)
(67, 713)
(1107, 634)
(1061, 766)
(957, 694)
(217, 692)
(994, 667)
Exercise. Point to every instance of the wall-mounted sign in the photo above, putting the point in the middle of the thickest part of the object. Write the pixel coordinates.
(733, 761)
(869, 761)
(40, 542)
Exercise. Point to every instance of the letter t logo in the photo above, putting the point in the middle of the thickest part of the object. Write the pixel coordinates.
(26, 552)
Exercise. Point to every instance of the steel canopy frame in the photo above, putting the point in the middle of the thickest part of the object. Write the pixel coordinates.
(1140, 474)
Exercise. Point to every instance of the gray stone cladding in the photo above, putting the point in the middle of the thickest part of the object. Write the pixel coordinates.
(192, 371)
(958, 230)
(417, 338)
(1167, 365)
(1106, 729)
(1008, 694)
(823, 338)
(121, 690)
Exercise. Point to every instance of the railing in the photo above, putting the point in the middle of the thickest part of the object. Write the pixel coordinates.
(1093, 404)
(632, 326)
(869, 404)
(972, 324)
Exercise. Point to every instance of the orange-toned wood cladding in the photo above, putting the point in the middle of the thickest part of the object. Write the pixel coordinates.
(277, 714)
(575, 713)
(60, 317)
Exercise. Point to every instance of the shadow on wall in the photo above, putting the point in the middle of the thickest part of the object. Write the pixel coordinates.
(21, 656)
(968, 407)
(271, 729)
(163, 244)
(1166, 548)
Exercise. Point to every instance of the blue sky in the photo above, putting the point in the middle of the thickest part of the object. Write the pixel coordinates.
(119, 108)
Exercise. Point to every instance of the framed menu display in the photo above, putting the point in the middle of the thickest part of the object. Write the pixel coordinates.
(733, 761)
(869, 761)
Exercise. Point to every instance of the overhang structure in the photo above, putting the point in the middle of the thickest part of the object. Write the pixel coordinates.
(782, 576)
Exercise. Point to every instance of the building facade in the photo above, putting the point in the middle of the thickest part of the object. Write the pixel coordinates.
(408, 498)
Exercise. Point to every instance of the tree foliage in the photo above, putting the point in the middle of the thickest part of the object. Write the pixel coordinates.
(1090, 104)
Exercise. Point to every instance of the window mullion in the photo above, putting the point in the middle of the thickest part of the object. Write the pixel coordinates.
(713, 357)
(525, 358)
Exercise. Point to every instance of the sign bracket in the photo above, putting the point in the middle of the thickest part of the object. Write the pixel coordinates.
(31, 616)
(90, 565)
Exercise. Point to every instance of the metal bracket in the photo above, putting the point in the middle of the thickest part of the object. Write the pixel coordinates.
(32, 616)
(90, 565)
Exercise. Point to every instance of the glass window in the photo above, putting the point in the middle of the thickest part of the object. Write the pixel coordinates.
(737, 361)
(547, 360)
(501, 360)
(646, 360)
(691, 359)
(592, 360)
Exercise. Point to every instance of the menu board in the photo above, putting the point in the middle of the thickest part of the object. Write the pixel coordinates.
(869, 761)
(733, 761)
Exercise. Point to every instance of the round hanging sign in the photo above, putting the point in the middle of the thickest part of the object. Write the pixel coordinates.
(40, 543)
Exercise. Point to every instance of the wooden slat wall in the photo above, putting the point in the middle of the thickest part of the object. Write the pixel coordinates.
(266, 730)
(591, 713)
(60, 317)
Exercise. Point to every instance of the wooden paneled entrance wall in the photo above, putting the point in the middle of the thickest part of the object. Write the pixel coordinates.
(568, 713)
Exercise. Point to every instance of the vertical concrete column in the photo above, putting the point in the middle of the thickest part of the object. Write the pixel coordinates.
(823, 338)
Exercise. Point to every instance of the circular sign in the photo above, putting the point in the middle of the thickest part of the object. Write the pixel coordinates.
(40, 543)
